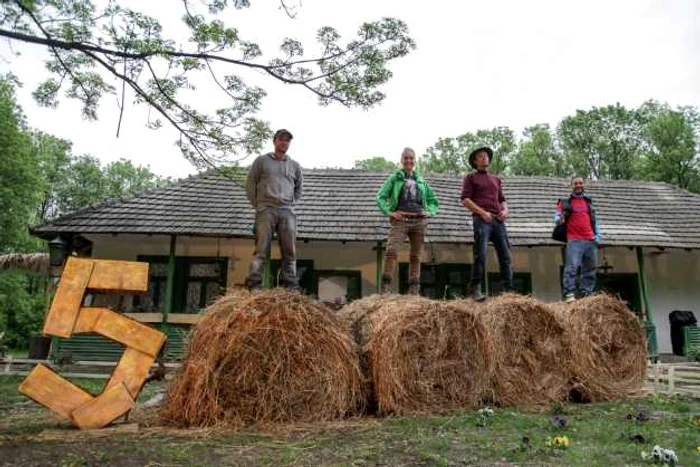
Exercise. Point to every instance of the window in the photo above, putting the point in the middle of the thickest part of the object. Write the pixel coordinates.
(198, 281)
(522, 281)
(305, 275)
(339, 287)
(626, 285)
(452, 280)
(439, 281)
(623, 284)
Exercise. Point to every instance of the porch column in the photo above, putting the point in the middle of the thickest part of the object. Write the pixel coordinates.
(170, 281)
(649, 326)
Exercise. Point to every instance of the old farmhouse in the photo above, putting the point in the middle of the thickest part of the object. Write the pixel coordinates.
(197, 235)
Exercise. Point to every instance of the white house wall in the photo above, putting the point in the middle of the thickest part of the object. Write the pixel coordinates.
(674, 276)
(674, 284)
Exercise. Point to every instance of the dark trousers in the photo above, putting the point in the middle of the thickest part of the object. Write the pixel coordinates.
(496, 233)
(268, 222)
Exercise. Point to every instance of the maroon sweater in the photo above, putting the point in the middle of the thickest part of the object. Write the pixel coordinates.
(484, 190)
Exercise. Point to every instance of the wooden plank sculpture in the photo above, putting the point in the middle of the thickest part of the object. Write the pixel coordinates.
(67, 316)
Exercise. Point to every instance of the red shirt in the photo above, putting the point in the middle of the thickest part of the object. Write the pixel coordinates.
(484, 190)
(578, 226)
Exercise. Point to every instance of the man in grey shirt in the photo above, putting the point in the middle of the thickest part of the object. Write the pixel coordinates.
(273, 186)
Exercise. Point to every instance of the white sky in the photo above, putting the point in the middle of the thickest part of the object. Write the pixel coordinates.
(478, 65)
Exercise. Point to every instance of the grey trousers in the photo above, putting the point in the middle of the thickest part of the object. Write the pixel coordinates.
(268, 222)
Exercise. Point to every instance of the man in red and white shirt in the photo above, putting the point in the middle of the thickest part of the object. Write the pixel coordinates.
(582, 239)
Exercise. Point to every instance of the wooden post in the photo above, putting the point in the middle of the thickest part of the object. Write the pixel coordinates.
(646, 309)
(643, 286)
(170, 282)
(379, 267)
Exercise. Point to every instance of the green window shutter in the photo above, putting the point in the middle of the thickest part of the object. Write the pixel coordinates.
(354, 286)
(178, 336)
(90, 347)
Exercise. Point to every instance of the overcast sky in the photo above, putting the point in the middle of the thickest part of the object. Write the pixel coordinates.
(477, 65)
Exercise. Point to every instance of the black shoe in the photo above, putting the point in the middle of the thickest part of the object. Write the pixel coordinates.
(478, 295)
(414, 287)
(385, 284)
(253, 287)
(293, 288)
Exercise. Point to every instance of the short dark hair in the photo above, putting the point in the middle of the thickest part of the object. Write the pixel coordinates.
(282, 132)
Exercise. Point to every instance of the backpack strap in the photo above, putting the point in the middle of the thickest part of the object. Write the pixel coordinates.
(566, 207)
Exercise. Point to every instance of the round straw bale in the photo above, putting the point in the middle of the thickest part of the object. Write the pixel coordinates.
(425, 356)
(273, 356)
(359, 315)
(529, 349)
(608, 348)
(358, 318)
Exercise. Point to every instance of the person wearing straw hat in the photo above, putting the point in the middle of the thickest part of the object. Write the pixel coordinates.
(482, 194)
(273, 186)
(408, 200)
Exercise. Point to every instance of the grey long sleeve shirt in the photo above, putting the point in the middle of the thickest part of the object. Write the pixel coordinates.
(274, 183)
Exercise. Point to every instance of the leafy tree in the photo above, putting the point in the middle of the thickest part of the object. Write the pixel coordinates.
(451, 155)
(53, 158)
(673, 151)
(93, 46)
(18, 174)
(538, 154)
(123, 178)
(604, 142)
(22, 308)
(82, 185)
(375, 164)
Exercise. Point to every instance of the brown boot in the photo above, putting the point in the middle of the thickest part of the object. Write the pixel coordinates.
(386, 284)
(414, 286)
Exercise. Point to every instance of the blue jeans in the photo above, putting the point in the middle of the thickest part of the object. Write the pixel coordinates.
(495, 232)
(583, 254)
(268, 222)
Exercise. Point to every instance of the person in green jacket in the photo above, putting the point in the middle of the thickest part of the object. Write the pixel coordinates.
(408, 200)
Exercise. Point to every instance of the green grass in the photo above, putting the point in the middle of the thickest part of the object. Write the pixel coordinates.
(18, 353)
(601, 436)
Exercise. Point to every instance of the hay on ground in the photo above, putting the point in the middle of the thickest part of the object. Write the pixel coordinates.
(422, 355)
(529, 348)
(273, 356)
(608, 347)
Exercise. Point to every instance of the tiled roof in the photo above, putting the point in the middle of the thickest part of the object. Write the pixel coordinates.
(340, 205)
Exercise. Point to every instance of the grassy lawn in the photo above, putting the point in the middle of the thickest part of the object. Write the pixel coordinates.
(18, 353)
(602, 435)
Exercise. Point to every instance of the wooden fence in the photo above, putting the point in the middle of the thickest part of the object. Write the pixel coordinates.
(662, 378)
(81, 369)
(673, 379)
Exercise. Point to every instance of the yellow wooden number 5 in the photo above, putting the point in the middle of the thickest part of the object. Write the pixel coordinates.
(67, 316)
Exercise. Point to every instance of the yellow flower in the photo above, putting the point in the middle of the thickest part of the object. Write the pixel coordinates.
(561, 441)
(697, 421)
(698, 449)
